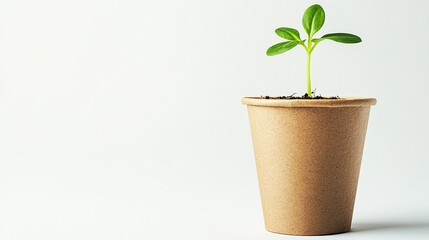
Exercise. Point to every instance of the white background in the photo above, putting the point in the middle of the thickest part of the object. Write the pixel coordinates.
(122, 119)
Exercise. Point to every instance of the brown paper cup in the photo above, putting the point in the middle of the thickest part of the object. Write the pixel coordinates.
(308, 155)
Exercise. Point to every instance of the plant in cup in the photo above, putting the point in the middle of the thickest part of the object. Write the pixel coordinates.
(308, 152)
(312, 21)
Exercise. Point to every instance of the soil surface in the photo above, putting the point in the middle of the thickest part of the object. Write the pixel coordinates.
(305, 96)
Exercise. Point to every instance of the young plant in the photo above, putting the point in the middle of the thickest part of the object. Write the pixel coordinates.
(312, 21)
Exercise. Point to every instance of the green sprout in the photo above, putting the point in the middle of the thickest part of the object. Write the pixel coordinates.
(312, 21)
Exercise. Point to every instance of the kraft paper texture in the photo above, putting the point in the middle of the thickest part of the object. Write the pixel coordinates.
(308, 155)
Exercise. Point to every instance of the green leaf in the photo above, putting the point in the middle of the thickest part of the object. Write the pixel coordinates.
(316, 40)
(288, 33)
(343, 37)
(281, 48)
(313, 19)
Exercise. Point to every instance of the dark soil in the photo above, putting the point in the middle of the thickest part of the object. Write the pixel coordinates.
(305, 96)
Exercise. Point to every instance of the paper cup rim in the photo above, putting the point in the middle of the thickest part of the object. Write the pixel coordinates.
(341, 102)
